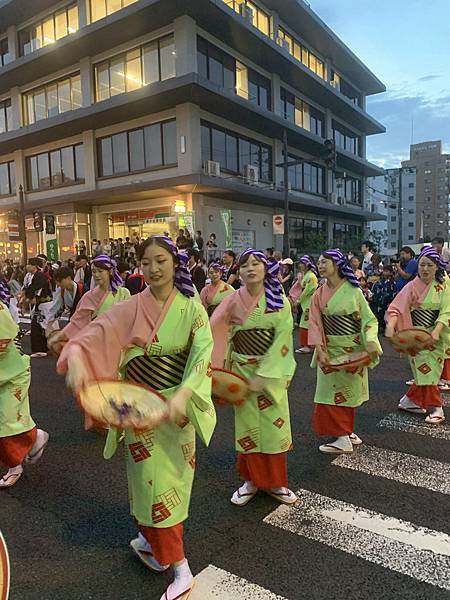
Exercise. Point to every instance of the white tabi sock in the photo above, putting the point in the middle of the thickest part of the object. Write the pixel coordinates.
(343, 442)
(406, 402)
(436, 411)
(15, 470)
(248, 488)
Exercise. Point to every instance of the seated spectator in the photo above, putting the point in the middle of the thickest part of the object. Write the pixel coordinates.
(383, 292)
(355, 264)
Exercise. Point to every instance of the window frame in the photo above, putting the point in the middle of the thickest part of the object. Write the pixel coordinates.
(44, 88)
(51, 175)
(11, 166)
(26, 31)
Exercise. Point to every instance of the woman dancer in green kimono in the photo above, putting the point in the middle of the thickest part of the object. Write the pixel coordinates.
(424, 303)
(308, 286)
(252, 331)
(213, 294)
(160, 338)
(340, 323)
(20, 441)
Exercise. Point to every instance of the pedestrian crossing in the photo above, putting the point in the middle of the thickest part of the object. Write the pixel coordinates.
(411, 424)
(213, 582)
(397, 545)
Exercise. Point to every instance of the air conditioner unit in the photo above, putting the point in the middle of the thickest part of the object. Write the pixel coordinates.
(341, 200)
(212, 168)
(332, 197)
(251, 174)
(283, 43)
(246, 12)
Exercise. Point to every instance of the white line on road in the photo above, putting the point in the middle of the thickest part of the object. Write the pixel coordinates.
(421, 472)
(410, 424)
(397, 545)
(214, 583)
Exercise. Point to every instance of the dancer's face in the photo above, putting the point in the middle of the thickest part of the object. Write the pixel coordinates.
(252, 271)
(158, 266)
(427, 269)
(214, 275)
(326, 266)
(101, 276)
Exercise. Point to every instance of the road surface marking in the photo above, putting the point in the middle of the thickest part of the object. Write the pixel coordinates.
(410, 424)
(425, 473)
(215, 584)
(400, 546)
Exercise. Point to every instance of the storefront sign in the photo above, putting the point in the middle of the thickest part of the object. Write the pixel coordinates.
(278, 224)
(13, 229)
(52, 250)
(226, 218)
(242, 239)
(186, 221)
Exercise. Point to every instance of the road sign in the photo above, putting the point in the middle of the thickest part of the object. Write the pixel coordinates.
(13, 229)
(278, 224)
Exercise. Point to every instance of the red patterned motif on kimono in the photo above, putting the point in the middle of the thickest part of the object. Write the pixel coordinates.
(279, 422)
(160, 512)
(424, 368)
(247, 443)
(18, 394)
(339, 398)
(138, 452)
(4, 344)
(264, 402)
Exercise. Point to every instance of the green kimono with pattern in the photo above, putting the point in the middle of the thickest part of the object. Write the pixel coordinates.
(111, 299)
(340, 388)
(262, 423)
(308, 285)
(161, 462)
(427, 365)
(15, 417)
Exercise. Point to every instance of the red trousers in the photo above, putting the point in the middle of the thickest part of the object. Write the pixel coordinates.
(425, 396)
(446, 370)
(266, 471)
(303, 337)
(333, 420)
(14, 448)
(166, 542)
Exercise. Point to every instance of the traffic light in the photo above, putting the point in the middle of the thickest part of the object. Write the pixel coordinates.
(50, 224)
(330, 155)
(38, 221)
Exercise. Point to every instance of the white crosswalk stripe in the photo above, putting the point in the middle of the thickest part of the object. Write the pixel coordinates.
(398, 466)
(216, 584)
(411, 424)
(400, 546)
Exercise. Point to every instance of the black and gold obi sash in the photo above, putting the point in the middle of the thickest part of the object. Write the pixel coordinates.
(158, 372)
(18, 340)
(341, 324)
(253, 342)
(424, 318)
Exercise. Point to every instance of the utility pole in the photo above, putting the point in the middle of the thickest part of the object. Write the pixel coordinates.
(400, 209)
(22, 230)
(286, 246)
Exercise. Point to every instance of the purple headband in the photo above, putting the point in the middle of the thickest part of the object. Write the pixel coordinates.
(342, 262)
(183, 279)
(216, 266)
(433, 255)
(5, 293)
(305, 260)
(272, 285)
(106, 261)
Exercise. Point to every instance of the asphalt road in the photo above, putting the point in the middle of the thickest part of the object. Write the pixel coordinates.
(67, 523)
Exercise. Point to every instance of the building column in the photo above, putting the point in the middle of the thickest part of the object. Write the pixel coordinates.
(189, 144)
(185, 33)
(17, 108)
(330, 224)
(20, 166)
(277, 158)
(276, 95)
(83, 13)
(13, 43)
(274, 24)
(89, 159)
(87, 78)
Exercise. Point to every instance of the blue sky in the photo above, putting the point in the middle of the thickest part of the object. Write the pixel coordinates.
(407, 45)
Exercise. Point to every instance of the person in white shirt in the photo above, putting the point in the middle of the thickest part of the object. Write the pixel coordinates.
(367, 250)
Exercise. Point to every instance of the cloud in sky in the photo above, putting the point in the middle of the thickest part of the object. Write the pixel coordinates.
(405, 43)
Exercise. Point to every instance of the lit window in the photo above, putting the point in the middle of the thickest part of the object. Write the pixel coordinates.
(48, 31)
(52, 99)
(102, 8)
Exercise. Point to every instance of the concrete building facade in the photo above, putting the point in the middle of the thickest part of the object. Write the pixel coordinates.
(432, 189)
(141, 116)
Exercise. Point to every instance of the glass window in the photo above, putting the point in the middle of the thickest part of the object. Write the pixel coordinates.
(242, 80)
(150, 63)
(102, 81)
(215, 66)
(48, 31)
(56, 168)
(43, 171)
(137, 152)
(113, 6)
(5, 116)
(120, 153)
(52, 100)
(206, 143)
(79, 161)
(76, 92)
(4, 179)
(72, 19)
(169, 134)
(219, 147)
(64, 96)
(153, 145)
(60, 24)
(5, 56)
(117, 76)
(40, 108)
(12, 177)
(232, 153)
(68, 164)
(202, 57)
(167, 57)
(106, 162)
(133, 72)
(98, 10)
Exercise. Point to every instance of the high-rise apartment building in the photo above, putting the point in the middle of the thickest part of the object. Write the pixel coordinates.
(394, 196)
(140, 116)
(432, 189)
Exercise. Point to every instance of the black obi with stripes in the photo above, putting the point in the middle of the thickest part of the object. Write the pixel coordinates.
(253, 342)
(341, 324)
(158, 372)
(424, 318)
